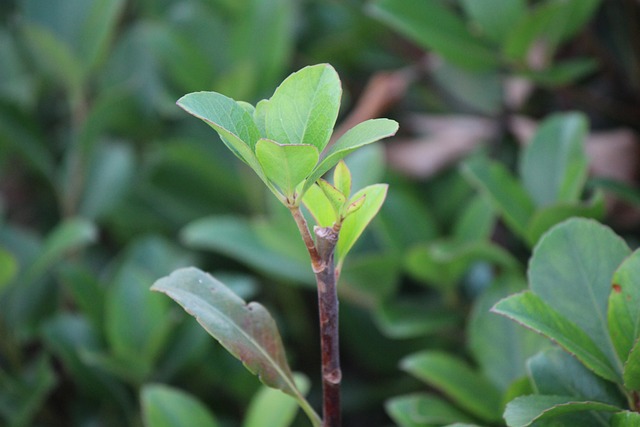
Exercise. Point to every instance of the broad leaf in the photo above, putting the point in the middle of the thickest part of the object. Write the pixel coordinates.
(164, 406)
(632, 369)
(232, 122)
(354, 224)
(286, 166)
(525, 410)
(413, 318)
(529, 310)
(545, 218)
(555, 372)
(624, 306)
(457, 380)
(554, 164)
(500, 345)
(625, 419)
(361, 134)
(436, 27)
(421, 409)
(270, 407)
(495, 18)
(304, 108)
(506, 194)
(571, 269)
(246, 330)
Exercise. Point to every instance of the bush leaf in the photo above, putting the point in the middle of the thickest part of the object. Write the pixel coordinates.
(624, 306)
(247, 331)
(525, 410)
(361, 134)
(164, 406)
(286, 166)
(304, 108)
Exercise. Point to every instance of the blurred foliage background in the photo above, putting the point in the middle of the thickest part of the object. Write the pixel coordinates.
(105, 186)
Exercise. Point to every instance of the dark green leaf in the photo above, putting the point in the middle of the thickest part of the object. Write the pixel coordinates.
(554, 164)
(419, 409)
(246, 330)
(495, 18)
(526, 410)
(632, 369)
(164, 406)
(457, 380)
(401, 319)
(625, 419)
(436, 27)
(571, 270)
(531, 311)
(624, 306)
(506, 194)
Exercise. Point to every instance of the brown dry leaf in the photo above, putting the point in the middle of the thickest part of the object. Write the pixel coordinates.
(449, 139)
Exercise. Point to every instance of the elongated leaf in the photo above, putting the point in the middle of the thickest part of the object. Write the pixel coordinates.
(232, 122)
(571, 270)
(554, 164)
(320, 207)
(164, 406)
(304, 108)
(342, 179)
(545, 218)
(421, 409)
(436, 27)
(495, 18)
(457, 380)
(246, 330)
(286, 165)
(414, 318)
(624, 306)
(531, 311)
(68, 236)
(506, 194)
(525, 410)
(270, 407)
(632, 369)
(555, 372)
(361, 134)
(500, 345)
(8, 268)
(625, 419)
(354, 224)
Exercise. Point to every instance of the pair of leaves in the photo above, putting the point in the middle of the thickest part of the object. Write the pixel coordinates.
(283, 139)
(553, 169)
(247, 331)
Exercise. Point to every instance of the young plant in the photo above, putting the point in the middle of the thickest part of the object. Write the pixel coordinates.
(285, 140)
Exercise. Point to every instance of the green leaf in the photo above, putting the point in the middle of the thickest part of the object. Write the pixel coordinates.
(571, 270)
(531, 311)
(552, 21)
(304, 108)
(8, 268)
(495, 18)
(358, 136)
(525, 410)
(631, 373)
(545, 218)
(68, 236)
(506, 194)
(333, 195)
(247, 331)
(556, 372)
(164, 406)
(342, 178)
(624, 306)
(476, 221)
(286, 166)
(625, 419)
(320, 207)
(273, 408)
(554, 165)
(436, 27)
(562, 73)
(456, 379)
(239, 239)
(413, 318)
(500, 346)
(419, 409)
(232, 122)
(354, 224)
